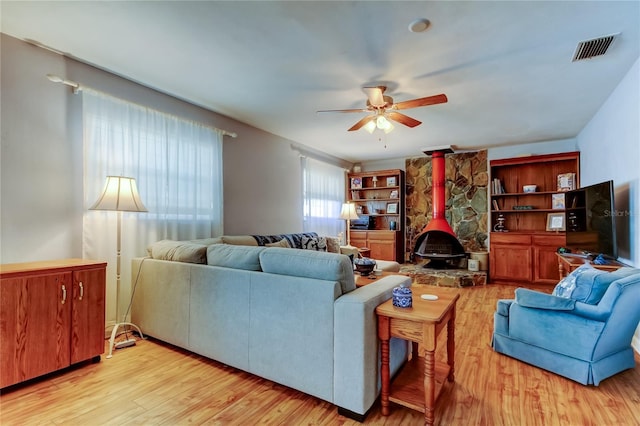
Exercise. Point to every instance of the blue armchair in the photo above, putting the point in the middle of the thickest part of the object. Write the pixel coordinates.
(584, 336)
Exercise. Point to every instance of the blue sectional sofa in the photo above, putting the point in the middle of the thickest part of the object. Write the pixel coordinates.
(291, 316)
(583, 331)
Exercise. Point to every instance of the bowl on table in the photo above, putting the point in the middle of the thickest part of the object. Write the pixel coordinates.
(364, 266)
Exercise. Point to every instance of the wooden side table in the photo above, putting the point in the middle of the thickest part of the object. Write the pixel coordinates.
(421, 380)
(567, 263)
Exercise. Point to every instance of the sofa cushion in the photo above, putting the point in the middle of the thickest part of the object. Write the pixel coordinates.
(282, 243)
(239, 240)
(309, 264)
(207, 241)
(234, 256)
(178, 251)
(314, 243)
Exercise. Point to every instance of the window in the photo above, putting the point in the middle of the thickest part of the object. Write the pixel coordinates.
(323, 195)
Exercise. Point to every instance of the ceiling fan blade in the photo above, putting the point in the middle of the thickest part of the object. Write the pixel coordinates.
(362, 122)
(344, 110)
(375, 96)
(429, 100)
(403, 119)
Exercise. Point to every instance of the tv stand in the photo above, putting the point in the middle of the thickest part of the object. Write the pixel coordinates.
(568, 262)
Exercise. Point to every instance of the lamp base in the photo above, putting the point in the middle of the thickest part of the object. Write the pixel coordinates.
(126, 343)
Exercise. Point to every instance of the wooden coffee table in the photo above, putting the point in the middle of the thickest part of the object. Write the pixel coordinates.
(421, 380)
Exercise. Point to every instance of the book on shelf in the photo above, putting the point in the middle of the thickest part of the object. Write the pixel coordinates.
(497, 187)
(495, 205)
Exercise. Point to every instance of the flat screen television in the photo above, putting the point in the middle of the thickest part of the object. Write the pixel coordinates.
(590, 220)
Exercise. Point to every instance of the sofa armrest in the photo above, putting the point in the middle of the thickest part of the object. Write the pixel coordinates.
(356, 378)
(535, 299)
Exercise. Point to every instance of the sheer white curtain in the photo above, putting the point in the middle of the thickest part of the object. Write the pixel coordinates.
(177, 165)
(323, 186)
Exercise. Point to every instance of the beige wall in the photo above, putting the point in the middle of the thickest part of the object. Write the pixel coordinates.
(41, 157)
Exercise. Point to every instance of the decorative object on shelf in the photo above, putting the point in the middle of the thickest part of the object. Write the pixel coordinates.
(525, 207)
(473, 265)
(557, 201)
(375, 181)
(566, 182)
(348, 213)
(529, 188)
(392, 208)
(392, 181)
(555, 222)
(364, 265)
(357, 168)
(394, 194)
(380, 211)
(356, 183)
(572, 220)
(499, 226)
(360, 210)
(120, 194)
(393, 225)
(355, 195)
(402, 297)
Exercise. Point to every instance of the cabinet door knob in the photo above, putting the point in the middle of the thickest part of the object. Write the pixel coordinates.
(81, 290)
(64, 294)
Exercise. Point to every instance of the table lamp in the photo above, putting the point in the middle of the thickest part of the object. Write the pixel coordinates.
(348, 213)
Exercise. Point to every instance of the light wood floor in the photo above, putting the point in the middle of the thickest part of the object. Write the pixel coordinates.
(153, 384)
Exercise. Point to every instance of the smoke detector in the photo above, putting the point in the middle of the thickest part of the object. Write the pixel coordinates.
(595, 47)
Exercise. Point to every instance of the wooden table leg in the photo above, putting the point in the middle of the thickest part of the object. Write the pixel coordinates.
(429, 386)
(451, 344)
(384, 335)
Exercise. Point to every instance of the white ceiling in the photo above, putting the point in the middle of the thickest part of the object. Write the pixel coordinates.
(505, 66)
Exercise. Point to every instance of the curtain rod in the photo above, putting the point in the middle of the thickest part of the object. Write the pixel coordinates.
(76, 87)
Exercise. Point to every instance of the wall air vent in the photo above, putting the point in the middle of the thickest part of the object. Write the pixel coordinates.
(590, 48)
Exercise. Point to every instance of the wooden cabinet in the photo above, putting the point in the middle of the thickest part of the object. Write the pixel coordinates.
(526, 251)
(379, 199)
(51, 316)
(384, 245)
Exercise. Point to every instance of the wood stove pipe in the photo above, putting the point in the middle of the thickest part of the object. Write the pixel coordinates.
(438, 221)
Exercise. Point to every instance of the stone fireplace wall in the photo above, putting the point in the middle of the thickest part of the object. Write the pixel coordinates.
(466, 185)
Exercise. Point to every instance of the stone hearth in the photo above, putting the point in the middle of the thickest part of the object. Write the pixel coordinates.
(456, 278)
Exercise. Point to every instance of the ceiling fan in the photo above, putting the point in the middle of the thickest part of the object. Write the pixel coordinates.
(383, 109)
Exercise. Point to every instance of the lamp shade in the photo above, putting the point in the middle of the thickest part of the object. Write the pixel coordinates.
(348, 212)
(120, 194)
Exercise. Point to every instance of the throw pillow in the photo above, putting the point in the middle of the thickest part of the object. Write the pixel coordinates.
(567, 285)
(333, 244)
(282, 243)
(178, 251)
(314, 243)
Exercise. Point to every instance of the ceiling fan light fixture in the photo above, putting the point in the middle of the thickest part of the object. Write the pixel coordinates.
(389, 128)
(370, 126)
(383, 124)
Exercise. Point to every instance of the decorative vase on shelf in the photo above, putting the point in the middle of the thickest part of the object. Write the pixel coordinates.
(499, 226)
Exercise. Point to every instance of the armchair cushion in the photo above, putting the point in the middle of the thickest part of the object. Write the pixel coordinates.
(535, 299)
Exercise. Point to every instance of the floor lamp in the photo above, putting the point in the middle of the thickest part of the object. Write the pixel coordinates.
(120, 194)
(348, 213)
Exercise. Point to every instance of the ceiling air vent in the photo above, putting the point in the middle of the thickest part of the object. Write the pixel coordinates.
(591, 48)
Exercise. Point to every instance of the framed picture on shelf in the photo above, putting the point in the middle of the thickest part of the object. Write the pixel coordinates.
(555, 222)
(557, 201)
(392, 181)
(356, 183)
(392, 208)
(394, 194)
(566, 182)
